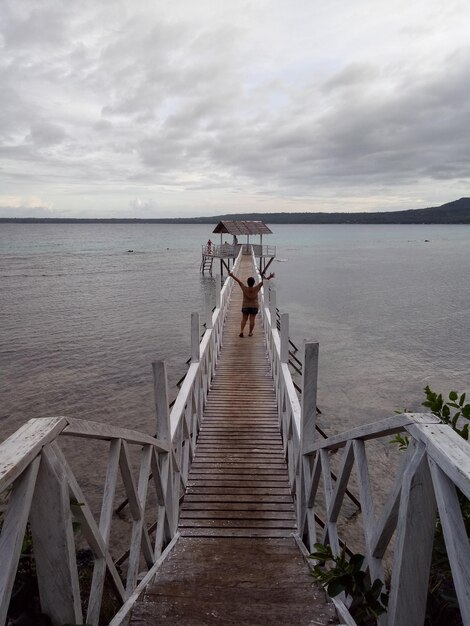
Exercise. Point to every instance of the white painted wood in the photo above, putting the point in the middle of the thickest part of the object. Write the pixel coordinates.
(284, 337)
(107, 432)
(217, 291)
(208, 305)
(315, 479)
(272, 306)
(291, 397)
(382, 428)
(89, 527)
(195, 337)
(160, 387)
(448, 450)
(205, 345)
(341, 482)
(455, 535)
(183, 396)
(128, 481)
(388, 519)
(367, 507)
(408, 503)
(309, 394)
(330, 534)
(17, 452)
(168, 477)
(99, 570)
(165, 522)
(13, 530)
(310, 482)
(138, 524)
(413, 547)
(53, 541)
(122, 616)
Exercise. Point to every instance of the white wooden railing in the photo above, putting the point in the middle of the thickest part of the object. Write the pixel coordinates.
(227, 250)
(398, 533)
(42, 497)
(38, 485)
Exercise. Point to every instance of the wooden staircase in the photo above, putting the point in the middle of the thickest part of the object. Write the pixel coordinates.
(206, 264)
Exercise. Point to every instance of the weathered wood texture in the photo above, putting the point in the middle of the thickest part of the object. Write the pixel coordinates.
(239, 455)
(233, 581)
(237, 561)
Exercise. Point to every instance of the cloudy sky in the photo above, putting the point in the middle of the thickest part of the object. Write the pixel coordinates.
(139, 108)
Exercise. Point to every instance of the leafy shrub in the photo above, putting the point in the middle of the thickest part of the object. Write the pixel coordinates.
(346, 575)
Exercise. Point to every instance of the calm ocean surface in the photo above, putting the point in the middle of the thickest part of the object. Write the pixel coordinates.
(82, 318)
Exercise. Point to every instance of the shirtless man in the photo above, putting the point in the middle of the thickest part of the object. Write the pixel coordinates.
(250, 301)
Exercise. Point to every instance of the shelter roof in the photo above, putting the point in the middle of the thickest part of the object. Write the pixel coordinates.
(242, 227)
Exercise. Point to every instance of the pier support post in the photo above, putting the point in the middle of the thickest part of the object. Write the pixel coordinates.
(284, 337)
(194, 337)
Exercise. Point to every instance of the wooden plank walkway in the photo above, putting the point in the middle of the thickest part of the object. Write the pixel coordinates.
(236, 561)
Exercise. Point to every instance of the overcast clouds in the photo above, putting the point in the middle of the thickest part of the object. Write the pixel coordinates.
(151, 109)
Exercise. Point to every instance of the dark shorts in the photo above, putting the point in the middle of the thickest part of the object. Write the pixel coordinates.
(250, 310)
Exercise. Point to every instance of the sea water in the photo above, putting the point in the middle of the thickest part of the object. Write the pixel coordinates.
(86, 308)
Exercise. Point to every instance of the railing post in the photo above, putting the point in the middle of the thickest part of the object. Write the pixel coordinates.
(160, 387)
(194, 337)
(284, 337)
(272, 308)
(309, 393)
(163, 431)
(307, 425)
(414, 542)
(53, 541)
(208, 311)
(217, 291)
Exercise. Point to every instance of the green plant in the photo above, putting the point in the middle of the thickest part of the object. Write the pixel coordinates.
(449, 411)
(403, 441)
(346, 575)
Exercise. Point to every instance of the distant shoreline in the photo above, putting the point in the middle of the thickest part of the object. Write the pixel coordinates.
(456, 212)
(182, 221)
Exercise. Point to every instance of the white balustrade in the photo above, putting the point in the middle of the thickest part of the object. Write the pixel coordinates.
(433, 471)
(38, 485)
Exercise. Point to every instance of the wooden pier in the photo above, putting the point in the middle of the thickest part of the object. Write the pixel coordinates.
(236, 560)
(228, 498)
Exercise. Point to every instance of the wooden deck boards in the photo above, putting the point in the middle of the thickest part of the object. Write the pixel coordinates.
(234, 580)
(236, 561)
(239, 444)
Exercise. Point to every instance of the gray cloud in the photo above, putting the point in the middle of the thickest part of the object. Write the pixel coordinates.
(108, 101)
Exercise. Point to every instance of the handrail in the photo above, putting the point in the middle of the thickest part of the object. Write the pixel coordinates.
(39, 488)
(228, 250)
(42, 496)
(434, 470)
(289, 408)
(435, 466)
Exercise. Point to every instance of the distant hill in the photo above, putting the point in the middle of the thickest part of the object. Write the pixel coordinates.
(456, 212)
